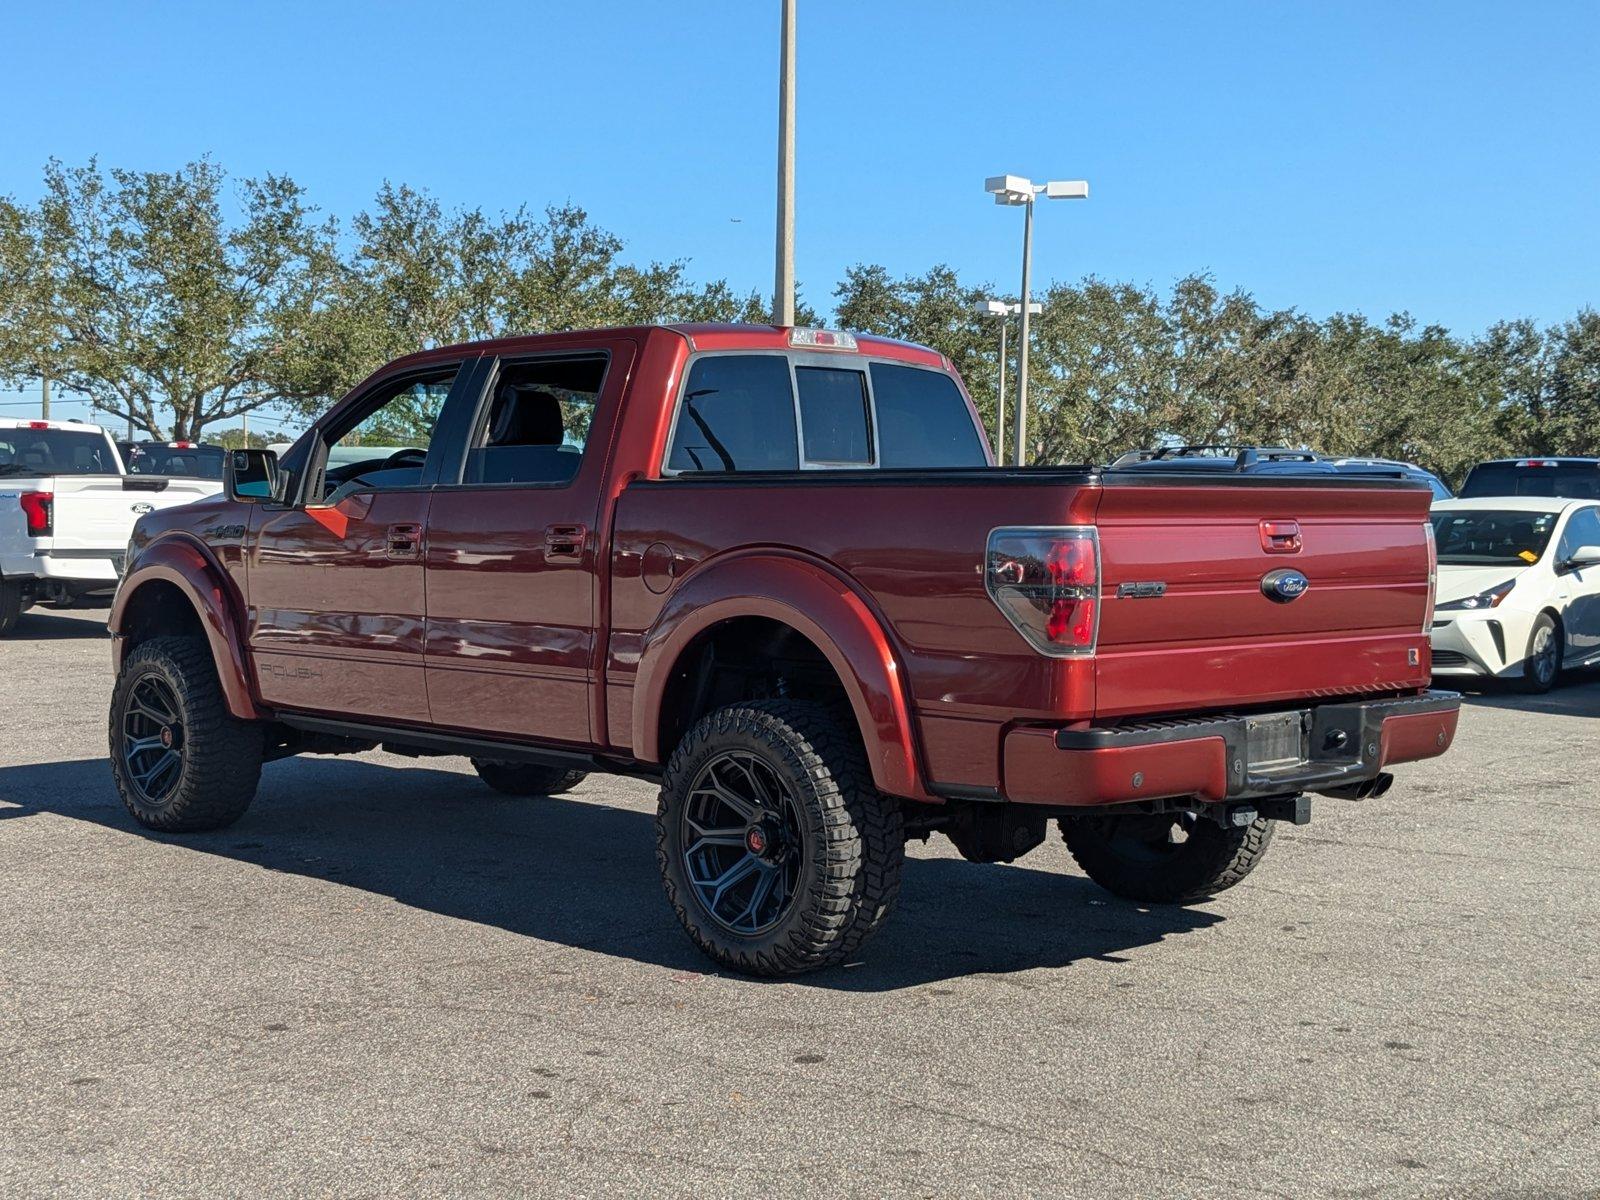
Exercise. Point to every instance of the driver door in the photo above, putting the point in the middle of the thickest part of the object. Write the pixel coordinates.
(334, 582)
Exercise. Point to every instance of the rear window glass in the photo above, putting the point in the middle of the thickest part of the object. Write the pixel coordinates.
(55, 452)
(193, 462)
(737, 415)
(834, 415)
(1577, 481)
(923, 420)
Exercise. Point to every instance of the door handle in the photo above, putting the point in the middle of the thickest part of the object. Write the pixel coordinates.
(403, 541)
(1280, 537)
(564, 542)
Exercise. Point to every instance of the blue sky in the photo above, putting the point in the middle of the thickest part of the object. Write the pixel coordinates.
(1439, 158)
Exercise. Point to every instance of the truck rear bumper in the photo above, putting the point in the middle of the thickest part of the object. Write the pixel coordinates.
(89, 566)
(1312, 749)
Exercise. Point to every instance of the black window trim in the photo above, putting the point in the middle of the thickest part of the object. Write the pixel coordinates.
(453, 468)
(811, 358)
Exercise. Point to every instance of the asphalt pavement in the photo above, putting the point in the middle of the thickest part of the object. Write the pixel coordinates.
(388, 980)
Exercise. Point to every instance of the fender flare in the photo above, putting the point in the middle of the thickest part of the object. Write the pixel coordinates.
(216, 601)
(819, 605)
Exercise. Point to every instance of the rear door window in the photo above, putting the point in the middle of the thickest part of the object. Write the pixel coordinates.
(923, 420)
(737, 414)
(1576, 481)
(835, 416)
(55, 452)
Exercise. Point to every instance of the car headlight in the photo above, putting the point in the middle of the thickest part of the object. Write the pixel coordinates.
(1488, 599)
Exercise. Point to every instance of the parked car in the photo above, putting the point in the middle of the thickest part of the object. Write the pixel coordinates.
(1380, 467)
(186, 460)
(1519, 588)
(775, 570)
(1574, 478)
(66, 511)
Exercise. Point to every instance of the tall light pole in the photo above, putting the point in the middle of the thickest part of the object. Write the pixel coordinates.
(1015, 190)
(783, 277)
(44, 398)
(999, 308)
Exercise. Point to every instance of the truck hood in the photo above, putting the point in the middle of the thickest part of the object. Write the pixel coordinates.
(1457, 582)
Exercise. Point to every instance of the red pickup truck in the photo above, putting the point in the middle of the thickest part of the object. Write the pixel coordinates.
(777, 571)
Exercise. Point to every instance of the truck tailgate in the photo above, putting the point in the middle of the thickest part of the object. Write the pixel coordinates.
(97, 512)
(1190, 619)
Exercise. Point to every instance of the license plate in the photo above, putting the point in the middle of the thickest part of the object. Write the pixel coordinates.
(1277, 740)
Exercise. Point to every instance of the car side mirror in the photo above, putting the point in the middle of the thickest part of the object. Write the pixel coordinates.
(1582, 557)
(252, 476)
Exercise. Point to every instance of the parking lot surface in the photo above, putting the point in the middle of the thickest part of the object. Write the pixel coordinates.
(388, 979)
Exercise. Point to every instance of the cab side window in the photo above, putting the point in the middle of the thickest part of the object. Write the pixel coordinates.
(1583, 529)
(387, 444)
(737, 414)
(536, 424)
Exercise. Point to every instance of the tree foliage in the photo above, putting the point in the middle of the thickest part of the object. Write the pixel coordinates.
(153, 294)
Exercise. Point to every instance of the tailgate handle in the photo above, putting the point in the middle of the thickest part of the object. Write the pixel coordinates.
(1280, 537)
(564, 541)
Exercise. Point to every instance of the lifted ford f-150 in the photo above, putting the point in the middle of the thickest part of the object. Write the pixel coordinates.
(776, 570)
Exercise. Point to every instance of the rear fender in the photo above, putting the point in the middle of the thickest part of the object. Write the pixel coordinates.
(181, 563)
(817, 604)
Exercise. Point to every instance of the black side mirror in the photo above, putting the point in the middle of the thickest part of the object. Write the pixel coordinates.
(252, 476)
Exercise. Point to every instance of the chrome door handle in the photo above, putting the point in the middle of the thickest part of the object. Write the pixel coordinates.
(564, 542)
(403, 541)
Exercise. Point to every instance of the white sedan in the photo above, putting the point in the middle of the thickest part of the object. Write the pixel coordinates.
(1519, 588)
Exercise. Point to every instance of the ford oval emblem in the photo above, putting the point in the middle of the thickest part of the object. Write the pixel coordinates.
(1284, 586)
(141, 509)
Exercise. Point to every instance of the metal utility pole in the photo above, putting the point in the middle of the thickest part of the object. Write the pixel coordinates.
(1021, 458)
(44, 398)
(783, 279)
(1000, 402)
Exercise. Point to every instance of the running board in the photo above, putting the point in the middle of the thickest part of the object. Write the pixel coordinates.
(400, 739)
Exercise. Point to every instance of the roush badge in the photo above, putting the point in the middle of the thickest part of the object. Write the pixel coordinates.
(1284, 586)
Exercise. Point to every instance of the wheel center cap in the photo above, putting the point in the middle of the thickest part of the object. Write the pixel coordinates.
(757, 841)
(166, 736)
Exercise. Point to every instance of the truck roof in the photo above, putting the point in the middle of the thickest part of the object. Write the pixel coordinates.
(703, 335)
(36, 423)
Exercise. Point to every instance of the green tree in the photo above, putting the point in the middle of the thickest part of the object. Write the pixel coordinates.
(138, 293)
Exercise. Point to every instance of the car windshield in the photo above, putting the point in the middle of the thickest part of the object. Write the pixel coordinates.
(55, 452)
(1489, 537)
(186, 462)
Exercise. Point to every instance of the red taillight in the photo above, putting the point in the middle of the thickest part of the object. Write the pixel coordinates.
(1046, 582)
(38, 424)
(39, 509)
(1433, 577)
(180, 445)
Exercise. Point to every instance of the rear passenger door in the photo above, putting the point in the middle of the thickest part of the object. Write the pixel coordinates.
(1581, 585)
(512, 546)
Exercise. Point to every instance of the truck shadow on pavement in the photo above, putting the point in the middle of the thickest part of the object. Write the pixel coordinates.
(42, 625)
(582, 873)
(1576, 694)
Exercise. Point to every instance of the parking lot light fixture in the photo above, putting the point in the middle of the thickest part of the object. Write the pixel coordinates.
(1016, 190)
(999, 308)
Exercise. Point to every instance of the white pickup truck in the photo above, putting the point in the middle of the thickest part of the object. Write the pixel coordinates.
(67, 508)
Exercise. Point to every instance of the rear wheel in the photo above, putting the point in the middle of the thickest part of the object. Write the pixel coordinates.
(1541, 665)
(181, 761)
(776, 851)
(527, 779)
(1170, 859)
(10, 605)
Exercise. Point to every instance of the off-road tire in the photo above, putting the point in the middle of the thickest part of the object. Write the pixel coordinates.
(1531, 680)
(10, 605)
(221, 761)
(1212, 860)
(527, 779)
(852, 837)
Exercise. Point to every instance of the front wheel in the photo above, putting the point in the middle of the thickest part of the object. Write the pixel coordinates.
(1541, 665)
(180, 760)
(1174, 858)
(777, 853)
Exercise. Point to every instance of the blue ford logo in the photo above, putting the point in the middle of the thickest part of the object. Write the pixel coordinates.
(1284, 586)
